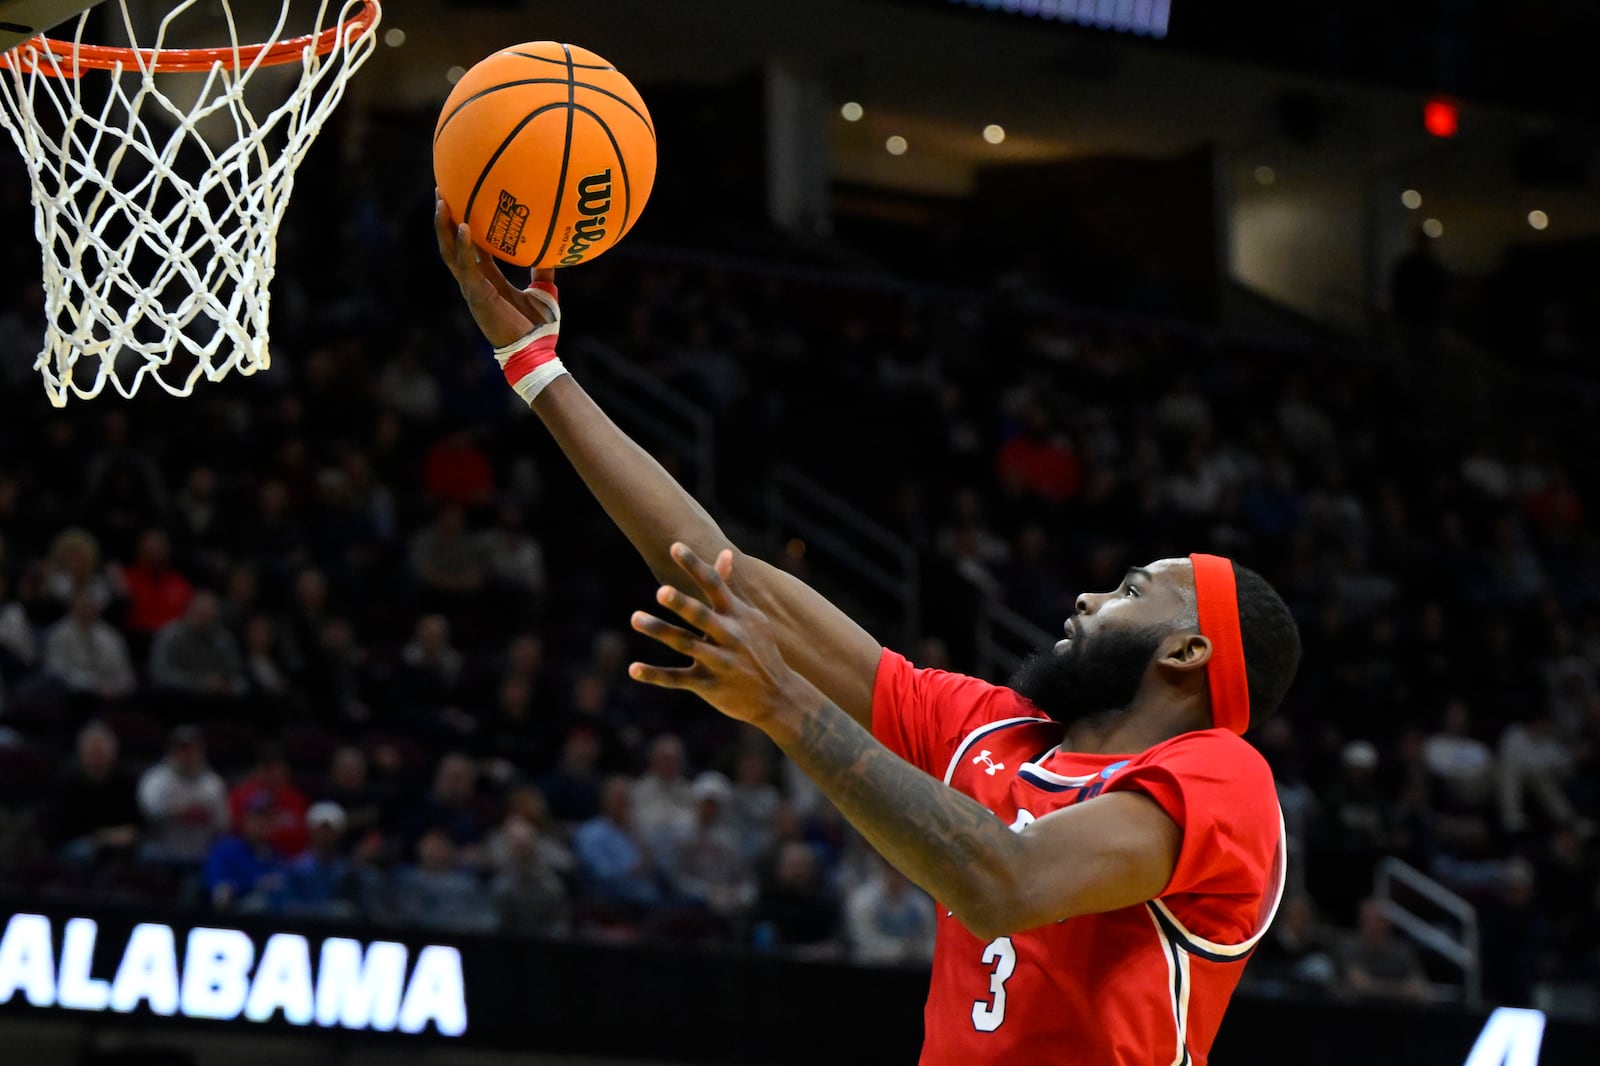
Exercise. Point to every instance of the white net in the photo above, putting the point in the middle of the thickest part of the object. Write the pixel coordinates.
(160, 242)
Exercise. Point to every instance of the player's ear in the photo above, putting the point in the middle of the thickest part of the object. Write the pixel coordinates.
(1184, 652)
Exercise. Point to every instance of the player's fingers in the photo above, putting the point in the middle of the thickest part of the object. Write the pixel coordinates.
(683, 677)
(444, 228)
(715, 626)
(675, 637)
(547, 275)
(724, 568)
(497, 277)
(467, 268)
(706, 576)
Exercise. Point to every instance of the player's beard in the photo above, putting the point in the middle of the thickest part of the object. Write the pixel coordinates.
(1089, 679)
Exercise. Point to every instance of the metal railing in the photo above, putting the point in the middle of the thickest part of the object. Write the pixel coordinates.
(798, 506)
(1004, 639)
(653, 410)
(1460, 948)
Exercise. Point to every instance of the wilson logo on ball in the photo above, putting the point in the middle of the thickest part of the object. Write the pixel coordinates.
(594, 202)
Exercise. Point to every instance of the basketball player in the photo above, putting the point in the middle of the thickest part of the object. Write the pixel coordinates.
(1105, 848)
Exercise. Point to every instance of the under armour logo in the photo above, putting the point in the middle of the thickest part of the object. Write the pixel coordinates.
(991, 767)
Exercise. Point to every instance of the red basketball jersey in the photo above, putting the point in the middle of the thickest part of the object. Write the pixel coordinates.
(1142, 986)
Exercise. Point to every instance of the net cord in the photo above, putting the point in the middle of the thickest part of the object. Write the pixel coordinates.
(209, 298)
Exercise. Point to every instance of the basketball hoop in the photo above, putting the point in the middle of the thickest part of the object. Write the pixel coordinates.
(151, 272)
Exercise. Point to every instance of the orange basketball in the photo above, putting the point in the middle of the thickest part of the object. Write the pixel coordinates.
(546, 152)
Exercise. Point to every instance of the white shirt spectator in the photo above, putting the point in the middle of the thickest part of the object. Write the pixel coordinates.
(16, 634)
(663, 798)
(88, 655)
(890, 921)
(1533, 760)
(407, 387)
(1463, 764)
(702, 861)
(513, 558)
(184, 803)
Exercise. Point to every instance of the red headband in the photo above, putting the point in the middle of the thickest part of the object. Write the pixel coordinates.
(1217, 598)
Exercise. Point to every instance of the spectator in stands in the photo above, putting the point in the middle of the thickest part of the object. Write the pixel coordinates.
(529, 888)
(794, 912)
(615, 867)
(1571, 681)
(123, 486)
(514, 731)
(1355, 831)
(270, 776)
(702, 862)
(265, 667)
(1298, 801)
(888, 920)
(183, 800)
(1533, 761)
(19, 645)
(243, 871)
(525, 803)
(363, 802)
(197, 656)
(406, 386)
(445, 559)
(452, 806)
(1297, 954)
(335, 676)
(1516, 935)
(512, 559)
(307, 612)
(663, 798)
(86, 655)
(525, 658)
(322, 881)
(753, 810)
(1374, 964)
(275, 536)
(439, 892)
(198, 510)
(431, 666)
(95, 812)
(241, 595)
(573, 786)
(1460, 765)
(591, 708)
(457, 472)
(158, 594)
(1037, 458)
(74, 566)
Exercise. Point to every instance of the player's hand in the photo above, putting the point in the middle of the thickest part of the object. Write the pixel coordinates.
(735, 665)
(504, 312)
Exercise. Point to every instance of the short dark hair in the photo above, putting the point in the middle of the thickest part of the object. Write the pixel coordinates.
(1271, 641)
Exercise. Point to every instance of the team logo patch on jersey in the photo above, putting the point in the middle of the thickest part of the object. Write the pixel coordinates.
(990, 766)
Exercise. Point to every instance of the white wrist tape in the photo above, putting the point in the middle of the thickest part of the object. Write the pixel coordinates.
(530, 363)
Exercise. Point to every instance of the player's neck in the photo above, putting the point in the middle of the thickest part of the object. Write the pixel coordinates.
(1134, 730)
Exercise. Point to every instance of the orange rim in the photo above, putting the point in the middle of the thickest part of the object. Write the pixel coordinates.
(72, 59)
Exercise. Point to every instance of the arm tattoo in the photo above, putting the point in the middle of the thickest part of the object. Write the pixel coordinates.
(944, 841)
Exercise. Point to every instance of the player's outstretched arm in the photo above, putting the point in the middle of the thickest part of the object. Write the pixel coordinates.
(1109, 852)
(821, 642)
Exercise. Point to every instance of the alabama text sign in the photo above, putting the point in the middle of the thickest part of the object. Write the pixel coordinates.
(226, 974)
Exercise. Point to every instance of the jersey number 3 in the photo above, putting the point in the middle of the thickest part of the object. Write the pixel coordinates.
(988, 1015)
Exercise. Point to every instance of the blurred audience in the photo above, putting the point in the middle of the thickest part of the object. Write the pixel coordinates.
(397, 625)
